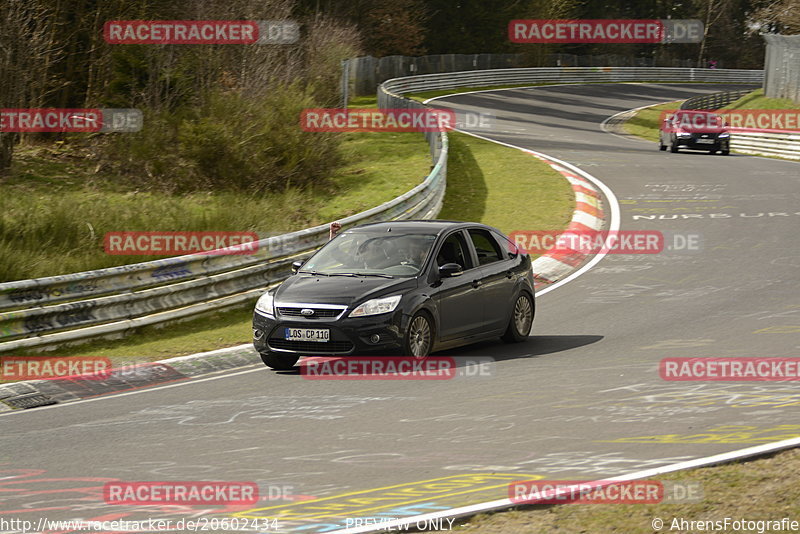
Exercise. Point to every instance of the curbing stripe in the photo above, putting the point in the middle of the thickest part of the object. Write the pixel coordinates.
(586, 191)
(588, 216)
(125, 378)
(590, 221)
(588, 199)
(592, 210)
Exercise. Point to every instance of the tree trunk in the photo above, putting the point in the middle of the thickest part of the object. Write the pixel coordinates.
(7, 142)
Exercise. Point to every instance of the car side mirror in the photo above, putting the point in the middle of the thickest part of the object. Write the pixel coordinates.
(450, 269)
(296, 266)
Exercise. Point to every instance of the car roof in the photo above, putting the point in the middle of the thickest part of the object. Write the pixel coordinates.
(433, 227)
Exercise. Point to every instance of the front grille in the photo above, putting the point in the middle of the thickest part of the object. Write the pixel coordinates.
(319, 313)
(329, 347)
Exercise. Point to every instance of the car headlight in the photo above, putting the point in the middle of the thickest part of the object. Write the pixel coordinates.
(684, 134)
(725, 134)
(265, 304)
(376, 306)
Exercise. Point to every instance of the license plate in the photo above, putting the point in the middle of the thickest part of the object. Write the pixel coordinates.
(320, 335)
(706, 141)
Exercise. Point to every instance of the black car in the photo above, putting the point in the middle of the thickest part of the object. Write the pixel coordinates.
(695, 130)
(409, 287)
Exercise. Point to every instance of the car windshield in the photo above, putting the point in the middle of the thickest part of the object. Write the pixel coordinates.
(698, 121)
(372, 254)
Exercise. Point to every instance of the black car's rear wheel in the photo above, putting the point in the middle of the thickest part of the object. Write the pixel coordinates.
(418, 340)
(519, 327)
(279, 362)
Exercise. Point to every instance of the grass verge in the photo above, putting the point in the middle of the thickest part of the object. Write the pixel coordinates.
(503, 187)
(757, 100)
(759, 489)
(646, 121)
(54, 211)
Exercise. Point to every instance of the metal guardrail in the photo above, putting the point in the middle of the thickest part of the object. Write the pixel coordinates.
(484, 78)
(74, 306)
(714, 100)
(63, 308)
(784, 145)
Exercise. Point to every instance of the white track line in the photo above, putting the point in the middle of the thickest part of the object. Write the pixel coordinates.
(500, 504)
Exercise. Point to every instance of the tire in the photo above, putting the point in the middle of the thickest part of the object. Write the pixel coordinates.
(661, 147)
(725, 152)
(521, 322)
(712, 152)
(673, 148)
(279, 362)
(419, 336)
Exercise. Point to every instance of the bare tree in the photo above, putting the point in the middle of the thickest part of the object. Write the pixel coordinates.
(27, 48)
(781, 16)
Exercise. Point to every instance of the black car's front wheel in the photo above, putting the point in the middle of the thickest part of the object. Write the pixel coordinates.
(279, 362)
(519, 327)
(418, 340)
(673, 147)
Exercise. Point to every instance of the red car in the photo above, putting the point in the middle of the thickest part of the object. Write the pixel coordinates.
(695, 130)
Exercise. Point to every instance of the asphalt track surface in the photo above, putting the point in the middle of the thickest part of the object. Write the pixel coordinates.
(582, 399)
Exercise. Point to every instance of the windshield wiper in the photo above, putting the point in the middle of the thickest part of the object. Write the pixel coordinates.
(362, 274)
(314, 273)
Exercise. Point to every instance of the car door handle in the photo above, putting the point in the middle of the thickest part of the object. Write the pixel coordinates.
(476, 283)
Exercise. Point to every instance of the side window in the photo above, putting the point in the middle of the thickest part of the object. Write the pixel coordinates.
(454, 250)
(511, 248)
(486, 247)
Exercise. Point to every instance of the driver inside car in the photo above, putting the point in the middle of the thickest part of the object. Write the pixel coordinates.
(372, 256)
(411, 254)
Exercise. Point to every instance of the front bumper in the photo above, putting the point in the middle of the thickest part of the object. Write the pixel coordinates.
(347, 335)
(699, 142)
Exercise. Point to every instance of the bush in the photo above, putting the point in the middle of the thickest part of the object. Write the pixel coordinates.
(230, 143)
